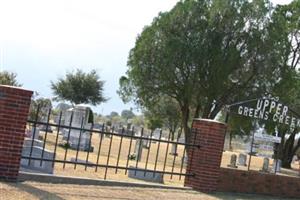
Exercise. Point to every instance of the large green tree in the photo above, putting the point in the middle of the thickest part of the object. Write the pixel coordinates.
(286, 18)
(79, 87)
(9, 78)
(289, 91)
(284, 34)
(204, 55)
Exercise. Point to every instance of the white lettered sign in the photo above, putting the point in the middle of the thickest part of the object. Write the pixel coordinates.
(270, 109)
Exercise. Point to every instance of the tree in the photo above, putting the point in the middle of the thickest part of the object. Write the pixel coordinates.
(289, 91)
(116, 120)
(285, 28)
(168, 111)
(204, 55)
(39, 109)
(113, 114)
(152, 120)
(9, 78)
(127, 114)
(284, 34)
(138, 121)
(79, 87)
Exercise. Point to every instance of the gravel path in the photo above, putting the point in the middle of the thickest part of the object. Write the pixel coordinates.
(34, 190)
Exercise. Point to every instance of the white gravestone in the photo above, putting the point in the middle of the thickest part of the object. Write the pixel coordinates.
(174, 150)
(146, 143)
(265, 167)
(232, 161)
(81, 119)
(140, 174)
(276, 165)
(242, 159)
(34, 132)
(156, 133)
(138, 149)
(34, 148)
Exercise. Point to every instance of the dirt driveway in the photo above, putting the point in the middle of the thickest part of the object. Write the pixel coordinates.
(34, 190)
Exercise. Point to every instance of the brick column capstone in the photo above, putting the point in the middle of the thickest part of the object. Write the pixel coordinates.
(204, 162)
(14, 108)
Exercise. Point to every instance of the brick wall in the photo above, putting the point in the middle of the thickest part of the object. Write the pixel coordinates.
(232, 180)
(205, 161)
(14, 107)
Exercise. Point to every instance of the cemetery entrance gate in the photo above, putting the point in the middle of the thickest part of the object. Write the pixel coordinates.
(70, 140)
(60, 143)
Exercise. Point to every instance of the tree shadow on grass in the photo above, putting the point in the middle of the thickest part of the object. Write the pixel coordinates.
(40, 194)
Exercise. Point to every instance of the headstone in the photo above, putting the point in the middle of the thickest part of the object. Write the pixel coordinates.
(46, 128)
(34, 133)
(36, 151)
(174, 150)
(80, 142)
(146, 143)
(36, 143)
(129, 125)
(78, 138)
(130, 132)
(80, 161)
(242, 160)
(121, 131)
(98, 126)
(145, 176)
(265, 167)
(138, 149)
(276, 165)
(232, 161)
(156, 133)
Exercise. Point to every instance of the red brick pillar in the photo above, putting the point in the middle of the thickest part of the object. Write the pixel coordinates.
(14, 107)
(204, 162)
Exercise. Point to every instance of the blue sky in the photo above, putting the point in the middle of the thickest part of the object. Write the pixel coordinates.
(42, 40)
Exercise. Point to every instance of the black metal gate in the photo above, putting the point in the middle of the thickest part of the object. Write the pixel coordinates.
(54, 145)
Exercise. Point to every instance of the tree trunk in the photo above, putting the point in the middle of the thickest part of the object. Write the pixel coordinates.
(185, 111)
(286, 159)
(287, 153)
(197, 111)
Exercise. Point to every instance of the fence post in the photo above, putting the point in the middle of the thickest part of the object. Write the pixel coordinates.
(14, 107)
(204, 162)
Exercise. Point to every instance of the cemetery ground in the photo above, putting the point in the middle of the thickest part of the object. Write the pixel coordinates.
(99, 173)
(34, 190)
(114, 174)
(119, 174)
